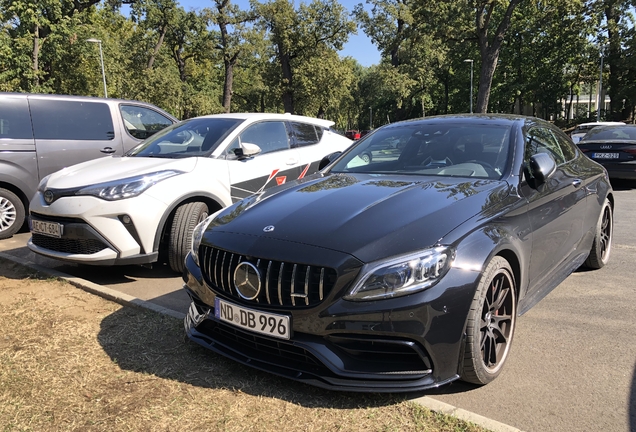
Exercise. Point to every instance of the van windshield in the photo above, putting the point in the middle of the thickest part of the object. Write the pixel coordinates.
(195, 137)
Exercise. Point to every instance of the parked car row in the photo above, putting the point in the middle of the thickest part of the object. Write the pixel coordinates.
(397, 263)
(41, 134)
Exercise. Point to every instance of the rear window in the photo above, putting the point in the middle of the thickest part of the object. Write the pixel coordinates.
(305, 134)
(612, 133)
(15, 120)
(71, 120)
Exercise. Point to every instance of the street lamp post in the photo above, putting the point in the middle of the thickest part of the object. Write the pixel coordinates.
(471, 83)
(601, 99)
(370, 118)
(101, 60)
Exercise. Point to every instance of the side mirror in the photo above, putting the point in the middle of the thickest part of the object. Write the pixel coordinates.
(539, 168)
(246, 150)
(328, 159)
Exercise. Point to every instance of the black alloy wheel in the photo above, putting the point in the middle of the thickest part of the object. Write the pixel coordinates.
(602, 244)
(491, 323)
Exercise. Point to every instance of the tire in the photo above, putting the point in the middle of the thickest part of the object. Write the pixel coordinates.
(11, 214)
(602, 244)
(366, 158)
(186, 217)
(490, 325)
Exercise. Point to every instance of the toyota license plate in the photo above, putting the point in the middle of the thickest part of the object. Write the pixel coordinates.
(604, 155)
(269, 324)
(50, 229)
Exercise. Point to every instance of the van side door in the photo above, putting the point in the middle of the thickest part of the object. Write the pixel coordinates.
(68, 132)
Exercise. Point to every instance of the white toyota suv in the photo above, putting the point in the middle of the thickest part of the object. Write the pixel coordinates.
(142, 207)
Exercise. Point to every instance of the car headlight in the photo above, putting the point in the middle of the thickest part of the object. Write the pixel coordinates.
(43, 182)
(402, 275)
(128, 187)
(197, 236)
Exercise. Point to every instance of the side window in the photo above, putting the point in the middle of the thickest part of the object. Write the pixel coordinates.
(567, 147)
(270, 136)
(541, 140)
(71, 120)
(15, 119)
(142, 122)
(304, 134)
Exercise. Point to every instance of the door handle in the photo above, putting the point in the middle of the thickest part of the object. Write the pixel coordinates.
(108, 150)
(576, 183)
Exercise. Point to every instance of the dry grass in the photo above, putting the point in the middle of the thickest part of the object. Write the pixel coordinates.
(72, 361)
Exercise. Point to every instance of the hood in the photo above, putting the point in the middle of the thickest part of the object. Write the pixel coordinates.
(115, 168)
(368, 216)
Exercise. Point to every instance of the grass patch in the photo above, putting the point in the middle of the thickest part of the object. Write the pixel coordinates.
(70, 360)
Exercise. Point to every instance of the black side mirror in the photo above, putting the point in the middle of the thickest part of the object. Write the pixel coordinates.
(539, 168)
(328, 159)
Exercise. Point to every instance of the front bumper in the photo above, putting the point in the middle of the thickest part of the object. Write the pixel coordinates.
(395, 345)
(99, 232)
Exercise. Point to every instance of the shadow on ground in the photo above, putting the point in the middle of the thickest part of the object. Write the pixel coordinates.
(145, 342)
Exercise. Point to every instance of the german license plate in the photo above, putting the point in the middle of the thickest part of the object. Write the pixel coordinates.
(269, 324)
(50, 229)
(605, 155)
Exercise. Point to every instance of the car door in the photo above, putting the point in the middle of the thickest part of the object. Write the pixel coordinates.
(556, 210)
(140, 123)
(276, 164)
(68, 132)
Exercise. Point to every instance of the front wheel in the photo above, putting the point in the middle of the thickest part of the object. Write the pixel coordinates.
(11, 213)
(491, 324)
(186, 217)
(602, 244)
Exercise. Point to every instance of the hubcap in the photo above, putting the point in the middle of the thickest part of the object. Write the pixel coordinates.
(7, 214)
(497, 320)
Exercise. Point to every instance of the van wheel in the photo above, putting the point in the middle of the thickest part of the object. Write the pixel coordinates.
(186, 217)
(11, 213)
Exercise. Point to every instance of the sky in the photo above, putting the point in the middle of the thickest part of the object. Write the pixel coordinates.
(359, 46)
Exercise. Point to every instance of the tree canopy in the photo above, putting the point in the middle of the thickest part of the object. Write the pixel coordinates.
(529, 57)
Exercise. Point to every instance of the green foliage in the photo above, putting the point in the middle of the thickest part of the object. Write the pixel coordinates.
(282, 56)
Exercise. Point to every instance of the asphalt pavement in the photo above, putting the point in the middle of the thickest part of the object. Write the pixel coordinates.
(573, 359)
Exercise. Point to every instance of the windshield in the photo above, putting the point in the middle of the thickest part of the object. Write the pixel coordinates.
(195, 137)
(456, 150)
(612, 133)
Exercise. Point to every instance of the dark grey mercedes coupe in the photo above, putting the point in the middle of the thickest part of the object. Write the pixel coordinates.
(406, 270)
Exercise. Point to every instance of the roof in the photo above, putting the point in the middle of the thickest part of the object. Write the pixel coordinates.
(274, 116)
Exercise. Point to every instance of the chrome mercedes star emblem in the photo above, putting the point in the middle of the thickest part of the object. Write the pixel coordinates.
(247, 280)
(268, 228)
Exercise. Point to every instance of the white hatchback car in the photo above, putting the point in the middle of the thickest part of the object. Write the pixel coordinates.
(142, 207)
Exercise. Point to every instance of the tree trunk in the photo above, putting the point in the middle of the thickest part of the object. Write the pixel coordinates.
(288, 91)
(227, 86)
(489, 50)
(164, 29)
(36, 55)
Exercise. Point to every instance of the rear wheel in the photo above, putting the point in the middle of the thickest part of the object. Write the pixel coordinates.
(186, 217)
(491, 324)
(11, 213)
(602, 245)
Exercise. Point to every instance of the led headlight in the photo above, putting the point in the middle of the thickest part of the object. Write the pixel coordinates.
(402, 275)
(126, 188)
(43, 182)
(197, 236)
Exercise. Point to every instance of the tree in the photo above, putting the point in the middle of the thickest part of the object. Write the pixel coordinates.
(231, 41)
(301, 34)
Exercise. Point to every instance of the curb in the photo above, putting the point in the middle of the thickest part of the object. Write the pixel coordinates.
(127, 300)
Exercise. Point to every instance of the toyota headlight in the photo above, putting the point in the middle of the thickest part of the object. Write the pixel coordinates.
(402, 275)
(43, 182)
(126, 188)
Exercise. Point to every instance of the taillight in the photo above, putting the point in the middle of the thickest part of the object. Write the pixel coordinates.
(584, 150)
(630, 150)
